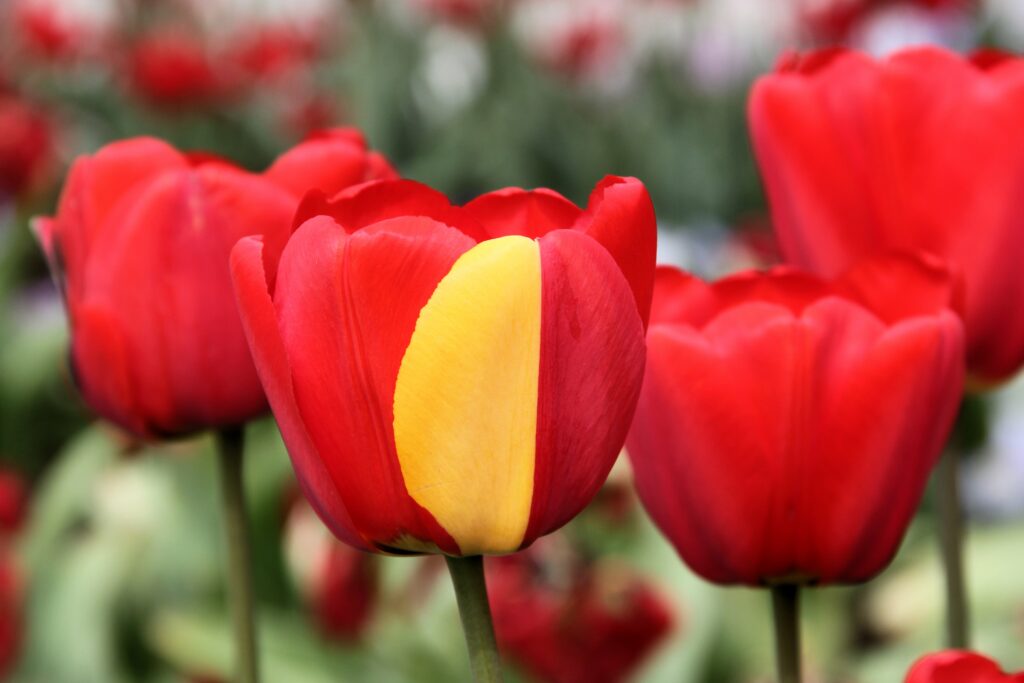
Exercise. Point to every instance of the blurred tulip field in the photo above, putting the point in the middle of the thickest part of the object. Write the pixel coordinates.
(112, 547)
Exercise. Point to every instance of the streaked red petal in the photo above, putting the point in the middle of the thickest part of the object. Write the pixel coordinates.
(531, 213)
(620, 216)
(260, 323)
(591, 365)
(347, 306)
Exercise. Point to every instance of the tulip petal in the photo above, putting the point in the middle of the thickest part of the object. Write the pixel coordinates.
(362, 205)
(957, 666)
(182, 225)
(328, 162)
(260, 323)
(347, 306)
(466, 399)
(530, 213)
(591, 366)
(620, 216)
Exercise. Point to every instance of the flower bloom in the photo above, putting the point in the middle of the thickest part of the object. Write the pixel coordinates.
(574, 622)
(787, 425)
(921, 150)
(139, 248)
(26, 148)
(955, 666)
(455, 379)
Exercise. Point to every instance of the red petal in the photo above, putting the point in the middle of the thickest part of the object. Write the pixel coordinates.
(261, 329)
(591, 365)
(362, 205)
(621, 218)
(956, 666)
(328, 162)
(531, 213)
(347, 306)
(163, 268)
(903, 285)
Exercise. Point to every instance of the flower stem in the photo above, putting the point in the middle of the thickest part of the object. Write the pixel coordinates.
(239, 576)
(786, 609)
(471, 594)
(951, 536)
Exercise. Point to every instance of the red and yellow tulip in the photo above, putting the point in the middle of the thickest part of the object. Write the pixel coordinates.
(454, 379)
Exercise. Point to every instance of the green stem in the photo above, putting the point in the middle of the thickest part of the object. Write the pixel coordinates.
(786, 609)
(471, 593)
(951, 535)
(239, 575)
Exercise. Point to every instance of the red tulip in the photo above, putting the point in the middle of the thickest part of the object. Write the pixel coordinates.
(13, 503)
(140, 249)
(174, 68)
(446, 378)
(597, 624)
(955, 666)
(787, 425)
(26, 147)
(922, 150)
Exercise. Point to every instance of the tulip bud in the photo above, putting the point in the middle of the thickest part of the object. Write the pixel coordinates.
(955, 666)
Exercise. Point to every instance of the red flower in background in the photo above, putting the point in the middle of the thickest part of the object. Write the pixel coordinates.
(13, 503)
(26, 146)
(62, 30)
(11, 620)
(140, 248)
(339, 584)
(955, 666)
(398, 337)
(922, 150)
(597, 626)
(787, 426)
(173, 68)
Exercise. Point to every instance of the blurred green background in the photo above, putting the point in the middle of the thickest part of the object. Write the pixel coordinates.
(117, 558)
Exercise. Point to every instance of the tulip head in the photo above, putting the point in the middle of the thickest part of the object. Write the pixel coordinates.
(957, 666)
(787, 425)
(917, 151)
(454, 379)
(139, 248)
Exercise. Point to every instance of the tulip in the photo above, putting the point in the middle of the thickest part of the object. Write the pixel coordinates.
(787, 425)
(11, 613)
(921, 150)
(581, 623)
(917, 151)
(140, 248)
(452, 379)
(26, 148)
(955, 666)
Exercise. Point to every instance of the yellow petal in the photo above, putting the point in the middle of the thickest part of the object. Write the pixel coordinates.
(466, 398)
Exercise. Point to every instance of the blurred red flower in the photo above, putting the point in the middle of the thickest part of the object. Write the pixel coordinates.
(26, 146)
(597, 626)
(172, 68)
(955, 666)
(140, 248)
(921, 150)
(787, 426)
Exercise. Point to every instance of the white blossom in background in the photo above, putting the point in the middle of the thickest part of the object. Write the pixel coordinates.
(228, 16)
(892, 28)
(731, 40)
(587, 41)
(451, 73)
